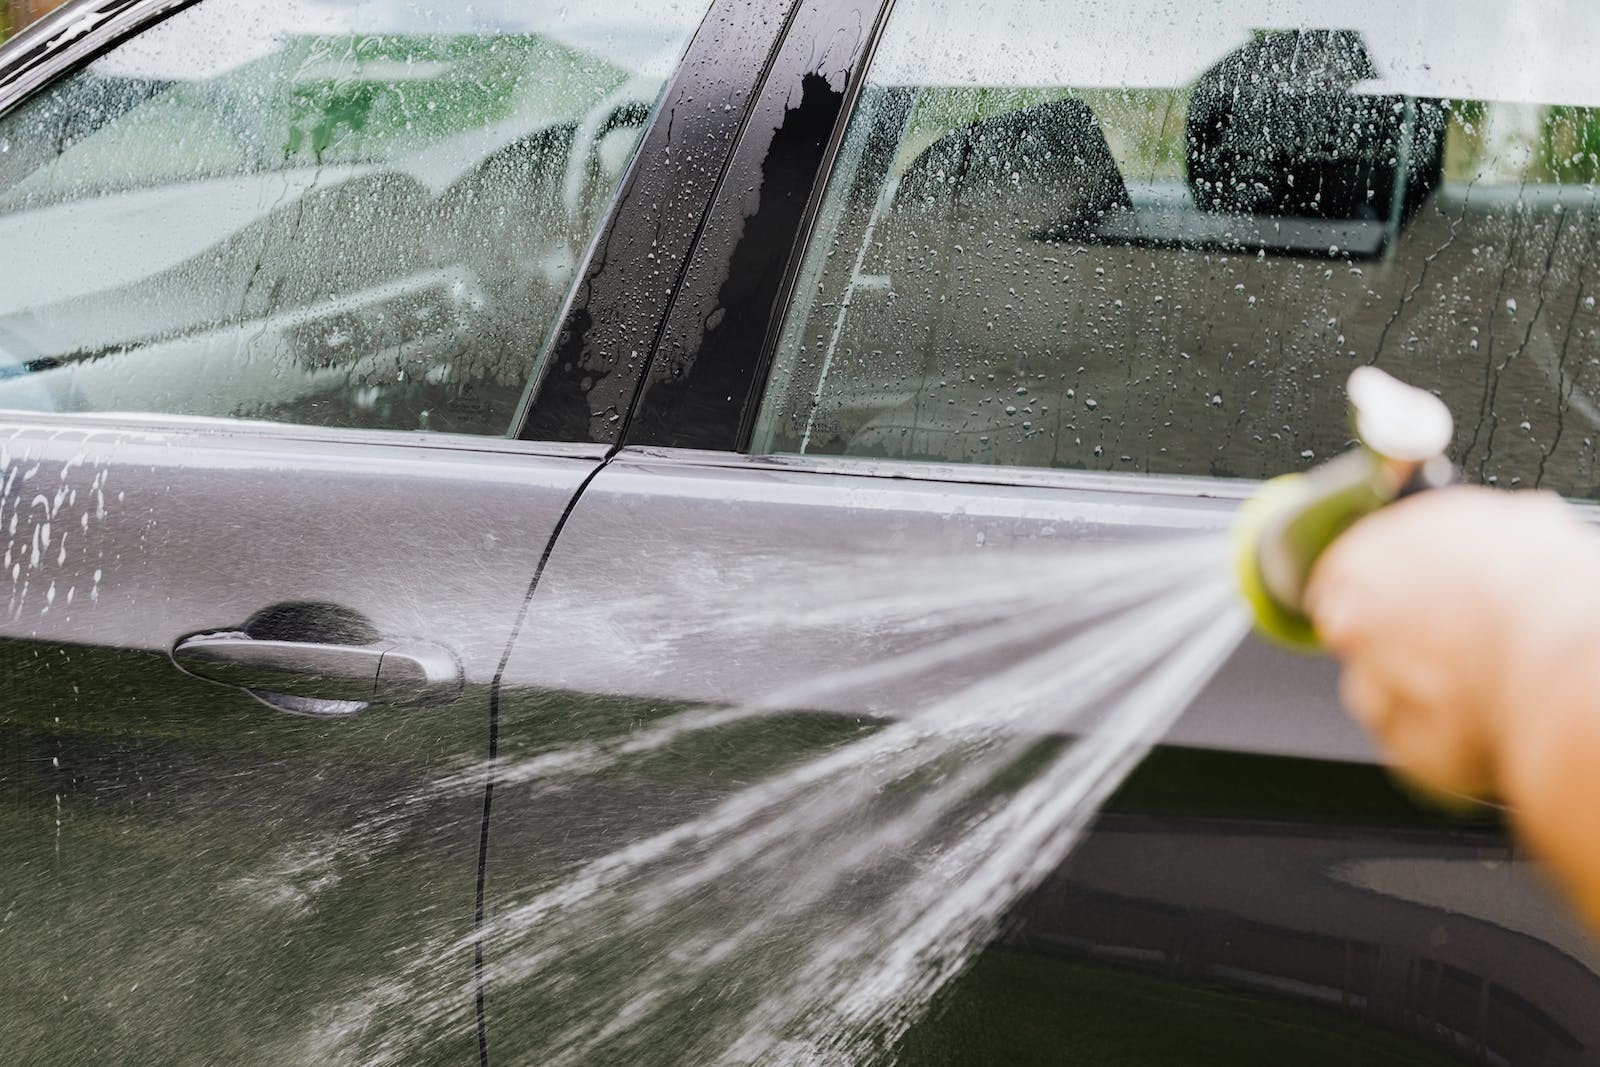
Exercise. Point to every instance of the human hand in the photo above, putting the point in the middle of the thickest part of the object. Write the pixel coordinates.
(1456, 612)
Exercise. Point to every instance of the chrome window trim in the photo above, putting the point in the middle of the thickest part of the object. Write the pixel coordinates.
(213, 428)
(1131, 483)
(1170, 485)
(69, 37)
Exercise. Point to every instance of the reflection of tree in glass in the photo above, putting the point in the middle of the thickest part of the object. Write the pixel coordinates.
(1464, 140)
(1505, 143)
(941, 110)
(321, 116)
(1144, 129)
(1569, 151)
(367, 98)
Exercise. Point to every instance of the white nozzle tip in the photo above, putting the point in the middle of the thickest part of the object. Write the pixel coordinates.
(1396, 420)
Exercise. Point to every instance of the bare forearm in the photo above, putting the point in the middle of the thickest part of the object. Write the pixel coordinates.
(1468, 622)
(1549, 777)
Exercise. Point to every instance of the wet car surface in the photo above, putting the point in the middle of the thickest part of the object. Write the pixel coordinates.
(540, 337)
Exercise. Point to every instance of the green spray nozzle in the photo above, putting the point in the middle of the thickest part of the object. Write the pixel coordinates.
(1403, 433)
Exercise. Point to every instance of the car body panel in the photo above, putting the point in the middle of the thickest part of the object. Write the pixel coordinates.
(298, 853)
(200, 876)
(726, 530)
(1261, 856)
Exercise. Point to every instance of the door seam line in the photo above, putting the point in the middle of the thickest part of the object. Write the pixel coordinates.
(478, 934)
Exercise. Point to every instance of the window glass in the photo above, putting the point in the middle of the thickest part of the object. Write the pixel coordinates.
(335, 212)
(1156, 236)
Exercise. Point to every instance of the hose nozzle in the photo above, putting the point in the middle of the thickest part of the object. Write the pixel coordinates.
(1403, 433)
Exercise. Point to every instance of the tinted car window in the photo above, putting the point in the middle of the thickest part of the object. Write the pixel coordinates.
(1154, 236)
(349, 214)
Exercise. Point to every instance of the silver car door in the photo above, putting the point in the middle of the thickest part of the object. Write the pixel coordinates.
(275, 280)
(1021, 259)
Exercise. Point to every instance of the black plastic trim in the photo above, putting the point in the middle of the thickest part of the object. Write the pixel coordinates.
(590, 376)
(707, 372)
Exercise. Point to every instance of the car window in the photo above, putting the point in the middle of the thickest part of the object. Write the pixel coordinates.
(1157, 236)
(357, 214)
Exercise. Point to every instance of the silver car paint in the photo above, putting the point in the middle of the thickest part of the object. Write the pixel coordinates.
(130, 536)
(664, 540)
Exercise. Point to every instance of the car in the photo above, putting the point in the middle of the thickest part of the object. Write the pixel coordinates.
(391, 396)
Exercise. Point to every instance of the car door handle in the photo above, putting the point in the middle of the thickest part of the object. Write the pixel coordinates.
(329, 680)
